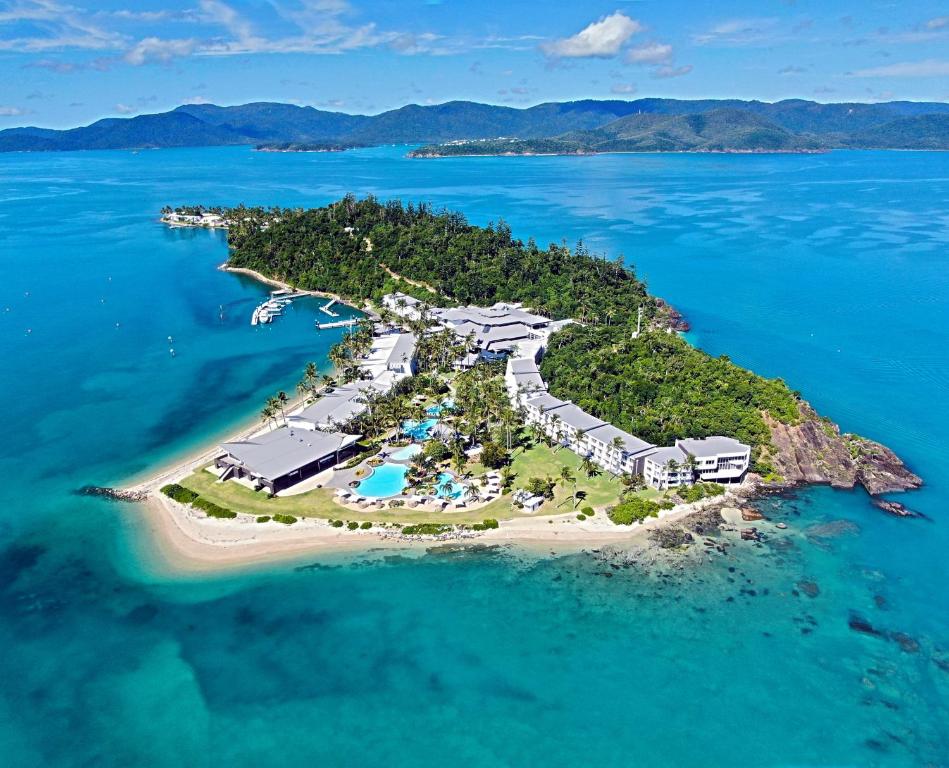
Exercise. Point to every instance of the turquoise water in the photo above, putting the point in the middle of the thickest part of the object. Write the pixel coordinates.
(418, 430)
(447, 487)
(829, 270)
(386, 480)
(404, 454)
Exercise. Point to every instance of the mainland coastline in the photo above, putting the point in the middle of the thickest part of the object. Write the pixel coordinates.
(195, 541)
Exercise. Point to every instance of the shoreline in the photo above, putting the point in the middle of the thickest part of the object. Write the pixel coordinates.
(182, 541)
(274, 283)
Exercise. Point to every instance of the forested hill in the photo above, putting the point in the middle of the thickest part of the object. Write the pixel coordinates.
(718, 130)
(656, 386)
(793, 124)
(352, 248)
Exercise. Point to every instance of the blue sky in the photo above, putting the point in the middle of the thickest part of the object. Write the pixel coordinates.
(69, 62)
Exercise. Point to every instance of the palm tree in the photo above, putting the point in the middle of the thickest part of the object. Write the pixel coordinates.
(282, 400)
(268, 412)
(589, 467)
(446, 487)
(567, 476)
(471, 493)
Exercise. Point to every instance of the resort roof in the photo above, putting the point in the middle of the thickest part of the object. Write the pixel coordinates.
(334, 409)
(663, 456)
(576, 417)
(522, 365)
(711, 446)
(606, 433)
(545, 402)
(529, 381)
(277, 453)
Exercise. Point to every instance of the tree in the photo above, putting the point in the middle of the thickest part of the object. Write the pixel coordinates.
(471, 493)
(493, 455)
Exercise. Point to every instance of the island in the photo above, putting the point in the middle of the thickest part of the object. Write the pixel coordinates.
(307, 146)
(723, 130)
(496, 391)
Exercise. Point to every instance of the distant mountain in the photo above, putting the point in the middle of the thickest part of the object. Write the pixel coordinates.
(718, 130)
(644, 124)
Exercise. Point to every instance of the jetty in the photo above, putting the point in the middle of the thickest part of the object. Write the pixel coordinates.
(337, 324)
(274, 306)
(327, 308)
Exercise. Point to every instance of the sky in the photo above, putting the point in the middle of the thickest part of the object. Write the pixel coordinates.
(66, 63)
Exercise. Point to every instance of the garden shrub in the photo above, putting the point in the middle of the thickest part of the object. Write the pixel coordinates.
(179, 493)
(285, 519)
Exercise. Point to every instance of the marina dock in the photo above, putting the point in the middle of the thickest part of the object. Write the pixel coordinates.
(279, 299)
(337, 324)
(327, 308)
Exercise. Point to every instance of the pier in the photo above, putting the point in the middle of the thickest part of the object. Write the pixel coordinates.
(326, 308)
(274, 306)
(337, 324)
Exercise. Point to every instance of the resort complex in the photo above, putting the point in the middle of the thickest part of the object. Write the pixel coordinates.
(325, 434)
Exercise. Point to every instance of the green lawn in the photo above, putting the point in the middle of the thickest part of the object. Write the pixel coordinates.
(541, 461)
(320, 503)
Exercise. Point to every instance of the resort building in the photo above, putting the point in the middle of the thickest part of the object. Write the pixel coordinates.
(403, 305)
(717, 459)
(712, 459)
(666, 468)
(283, 457)
(618, 452)
(495, 333)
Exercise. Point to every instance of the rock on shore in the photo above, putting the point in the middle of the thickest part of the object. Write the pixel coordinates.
(815, 451)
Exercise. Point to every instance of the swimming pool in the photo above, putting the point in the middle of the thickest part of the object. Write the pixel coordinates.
(406, 453)
(435, 410)
(454, 491)
(418, 429)
(386, 480)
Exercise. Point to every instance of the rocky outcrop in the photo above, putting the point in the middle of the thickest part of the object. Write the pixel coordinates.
(113, 494)
(815, 451)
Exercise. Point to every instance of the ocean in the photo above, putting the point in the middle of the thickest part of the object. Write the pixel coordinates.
(831, 271)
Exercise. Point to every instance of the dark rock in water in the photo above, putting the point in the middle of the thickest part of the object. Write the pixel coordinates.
(750, 515)
(832, 530)
(895, 508)
(907, 643)
(880, 602)
(113, 494)
(859, 624)
(809, 588)
(750, 534)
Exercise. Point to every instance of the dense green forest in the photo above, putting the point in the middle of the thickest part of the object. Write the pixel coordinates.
(656, 386)
(346, 247)
(661, 388)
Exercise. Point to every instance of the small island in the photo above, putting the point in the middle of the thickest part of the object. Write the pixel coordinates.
(306, 146)
(496, 391)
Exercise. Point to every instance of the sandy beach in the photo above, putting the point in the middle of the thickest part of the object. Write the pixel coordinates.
(188, 541)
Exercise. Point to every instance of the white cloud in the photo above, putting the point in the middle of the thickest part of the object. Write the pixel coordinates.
(124, 109)
(8, 111)
(155, 49)
(940, 22)
(926, 68)
(650, 53)
(602, 39)
(63, 26)
(737, 32)
(623, 88)
(662, 73)
(792, 69)
(196, 100)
